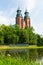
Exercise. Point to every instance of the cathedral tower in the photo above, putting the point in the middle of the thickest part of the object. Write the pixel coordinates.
(22, 22)
(27, 19)
(19, 18)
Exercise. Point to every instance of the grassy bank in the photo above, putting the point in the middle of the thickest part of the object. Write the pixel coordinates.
(6, 47)
(23, 58)
(15, 61)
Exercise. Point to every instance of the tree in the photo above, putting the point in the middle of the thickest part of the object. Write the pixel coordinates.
(13, 34)
(39, 40)
(32, 36)
(10, 36)
(23, 36)
(1, 38)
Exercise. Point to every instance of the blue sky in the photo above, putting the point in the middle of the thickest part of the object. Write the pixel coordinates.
(8, 10)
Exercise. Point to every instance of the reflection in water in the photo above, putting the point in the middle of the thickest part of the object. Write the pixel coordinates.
(29, 54)
(41, 61)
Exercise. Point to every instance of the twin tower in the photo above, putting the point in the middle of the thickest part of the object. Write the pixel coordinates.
(22, 22)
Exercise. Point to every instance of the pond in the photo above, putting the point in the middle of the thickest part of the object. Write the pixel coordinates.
(31, 55)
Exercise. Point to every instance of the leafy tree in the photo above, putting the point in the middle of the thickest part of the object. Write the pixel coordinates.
(1, 38)
(39, 40)
(14, 34)
(23, 36)
(31, 36)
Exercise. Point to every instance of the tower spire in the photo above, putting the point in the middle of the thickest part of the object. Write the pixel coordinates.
(19, 12)
(26, 14)
(19, 17)
(27, 18)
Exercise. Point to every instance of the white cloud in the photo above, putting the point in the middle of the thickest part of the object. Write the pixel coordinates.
(38, 26)
(5, 16)
(42, 2)
(6, 20)
(1, 12)
(11, 11)
(29, 4)
(12, 21)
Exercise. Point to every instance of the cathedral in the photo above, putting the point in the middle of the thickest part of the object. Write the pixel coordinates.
(22, 21)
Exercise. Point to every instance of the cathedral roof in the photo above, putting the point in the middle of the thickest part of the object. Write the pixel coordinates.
(26, 14)
(19, 13)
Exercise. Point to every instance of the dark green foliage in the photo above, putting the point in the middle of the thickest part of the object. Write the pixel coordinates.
(13, 35)
(39, 40)
(16, 61)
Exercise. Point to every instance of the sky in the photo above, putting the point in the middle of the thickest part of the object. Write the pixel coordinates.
(8, 12)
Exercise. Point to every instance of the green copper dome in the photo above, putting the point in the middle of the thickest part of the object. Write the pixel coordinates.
(26, 14)
(19, 13)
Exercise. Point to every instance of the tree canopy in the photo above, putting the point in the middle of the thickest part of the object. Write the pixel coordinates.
(15, 35)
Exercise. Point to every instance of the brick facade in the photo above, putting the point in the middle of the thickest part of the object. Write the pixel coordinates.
(22, 22)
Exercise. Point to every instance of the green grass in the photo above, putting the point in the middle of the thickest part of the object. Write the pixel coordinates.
(15, 61)
(5, 60)
(20, 47)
